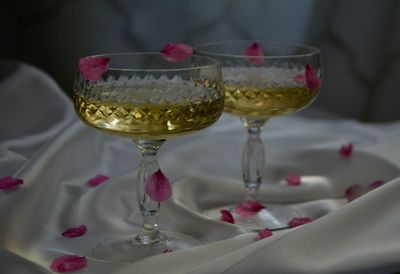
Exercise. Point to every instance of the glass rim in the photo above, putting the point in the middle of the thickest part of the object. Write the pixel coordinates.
(312, 50)
(213, 62)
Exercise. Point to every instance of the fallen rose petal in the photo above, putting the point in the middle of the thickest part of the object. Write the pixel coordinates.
(97, 180)
(248, 208)
(264, 233)
(176, 52)
(68, 263)
(346, 150)
(92, 68)
(226, 216)
(375, 184)
(299, 221)
(293, 179)
(254, 54)
(312, 80)
(158, 187)
(353, 192)
(10, 183)
(75, 231)
(167, 250)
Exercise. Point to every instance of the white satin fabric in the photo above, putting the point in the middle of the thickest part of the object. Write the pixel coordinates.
(43, 143)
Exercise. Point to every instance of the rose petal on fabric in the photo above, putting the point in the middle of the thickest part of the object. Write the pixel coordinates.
(158, 187)
(92, 68)
(226, 216)
(264, 233)
(97, 180)
(248, 208)
(299, 221)
(312, 80)
(68, 263)
(254, 54)
(375, 184)
(346, 150)
(299, 78)
(10, 183)
(167, 250)
(75, 231)
(353, 192)
(176, 52)
(293, 179)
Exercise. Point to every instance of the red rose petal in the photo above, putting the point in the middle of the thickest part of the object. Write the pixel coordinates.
(254, 54)
(176, 52)
(92, 68)
(375, 184)
(312, 80)
(75, 231)
(167, 250)
(353, 192)
(68, 263)
(158, 187)
(293, 179)
(226, 216)
(97, 180)
(264, 233)
(299, 221)
(10, 183)
(248, 208)
(346, 150)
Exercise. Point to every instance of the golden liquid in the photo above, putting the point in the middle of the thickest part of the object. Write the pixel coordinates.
(146, 120)
(254, 102)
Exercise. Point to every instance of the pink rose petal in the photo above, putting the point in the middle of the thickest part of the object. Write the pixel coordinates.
(293, 179)
(97, 180)
(167, 250)
(299, 78)
(254, 54)
(75, 231)
(92, 68)
(248, 208)
(312, 80)
(176, 52)
(10, 183)
(375, 184)
(346, 150)
(158, 187)
(264, 233)
(68, 263)
(226, 216)
(298, 221)
(353, 192)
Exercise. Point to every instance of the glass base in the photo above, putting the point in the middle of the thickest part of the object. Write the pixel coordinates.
(273, 217)
(124, 248)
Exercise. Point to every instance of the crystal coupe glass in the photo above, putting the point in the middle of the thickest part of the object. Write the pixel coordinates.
(262, 80)
(144, 97)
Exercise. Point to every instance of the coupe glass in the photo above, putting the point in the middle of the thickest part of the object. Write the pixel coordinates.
(143, 97)
(258, 87)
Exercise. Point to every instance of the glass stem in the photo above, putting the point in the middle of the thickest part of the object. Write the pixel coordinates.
(149, 209)
(253, 159)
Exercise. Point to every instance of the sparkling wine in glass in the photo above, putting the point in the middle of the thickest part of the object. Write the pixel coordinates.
(262, 80)
(143, 97)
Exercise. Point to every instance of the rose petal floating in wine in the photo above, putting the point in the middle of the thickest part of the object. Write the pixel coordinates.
(248, 208)
(346, 150)
(264, 233)
(312, 80)
(10, 183)
(254, 54)
(75, 231)
(226, 216)
(353, 192)
(176, 52)
(299, 78)
(68, 263)
(299, 221)
(92, 68)
(293, 179)
(158, 187)
(375, 184)
(97, 180)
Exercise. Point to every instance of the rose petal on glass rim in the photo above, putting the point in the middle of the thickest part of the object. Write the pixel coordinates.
(299, 221)
(68, 263)
(293, 179)
(264, 233)
(353, 192)
(248, 208)
(375, 184)
(167, 250)
(158, 187)
(10, 183)
(92, 68)
(97, 180)
(312, 80)
(346, 150)
(254, 54)
(75, 231)
(176, 52)
(226, 216)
